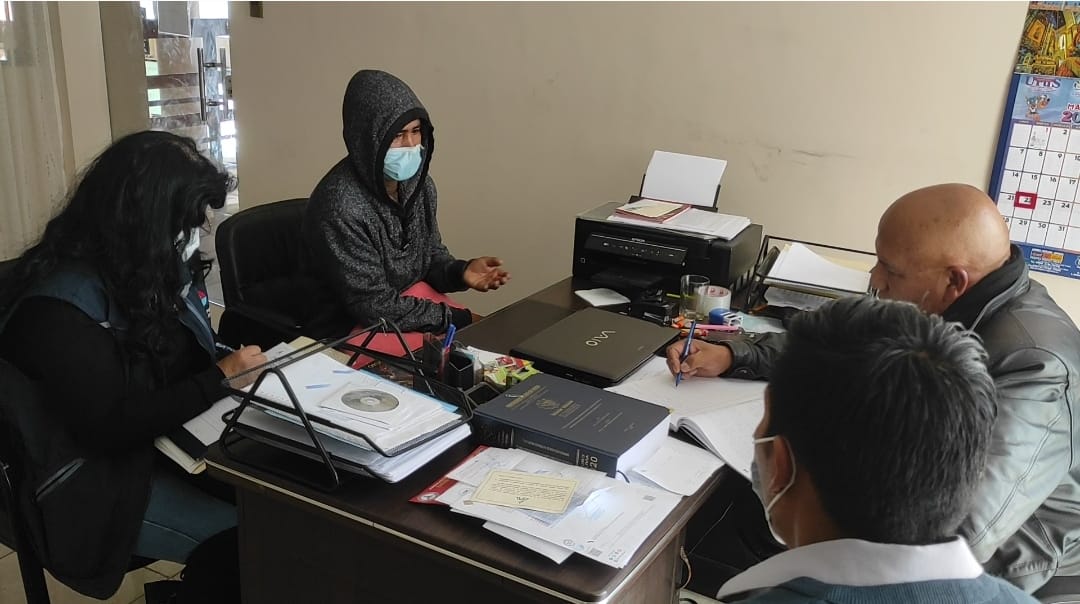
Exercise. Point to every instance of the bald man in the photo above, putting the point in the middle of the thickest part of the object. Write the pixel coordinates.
(946, 249)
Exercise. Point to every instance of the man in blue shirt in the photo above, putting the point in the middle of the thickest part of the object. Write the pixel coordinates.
(877, 428)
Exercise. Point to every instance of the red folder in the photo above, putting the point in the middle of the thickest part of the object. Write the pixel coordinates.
(388, 343)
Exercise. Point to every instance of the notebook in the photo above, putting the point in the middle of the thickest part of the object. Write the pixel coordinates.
(719, 413)
(594, 346)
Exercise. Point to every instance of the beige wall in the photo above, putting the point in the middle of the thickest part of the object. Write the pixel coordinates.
(826, 112)
(81, 65)
(121, 29)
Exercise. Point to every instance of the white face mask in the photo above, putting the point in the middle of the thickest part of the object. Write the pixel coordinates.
(192, 244)
(755, 484)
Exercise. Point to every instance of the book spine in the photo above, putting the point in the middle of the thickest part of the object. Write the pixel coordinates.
(498, 434)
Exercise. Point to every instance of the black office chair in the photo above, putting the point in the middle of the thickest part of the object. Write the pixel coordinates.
(267, 298)
(13, 531)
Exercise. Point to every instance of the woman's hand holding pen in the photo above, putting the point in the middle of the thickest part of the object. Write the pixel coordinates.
(239, 362)
(704, 360)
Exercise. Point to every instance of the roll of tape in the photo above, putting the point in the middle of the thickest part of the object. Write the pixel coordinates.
(716, 298)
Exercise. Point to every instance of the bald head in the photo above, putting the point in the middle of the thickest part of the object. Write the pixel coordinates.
(950, 232)
(950, 224)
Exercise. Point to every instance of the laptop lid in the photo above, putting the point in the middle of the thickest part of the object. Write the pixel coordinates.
(597, 345)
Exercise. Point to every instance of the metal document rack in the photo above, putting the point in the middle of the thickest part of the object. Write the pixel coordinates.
(770, 250)
(423, 382)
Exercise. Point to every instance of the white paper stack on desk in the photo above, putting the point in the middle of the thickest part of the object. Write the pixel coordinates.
(390, 469)
(387, 413)
(605, 519)
(798, 268)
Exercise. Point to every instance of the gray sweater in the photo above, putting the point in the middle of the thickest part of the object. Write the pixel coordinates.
(366, 247)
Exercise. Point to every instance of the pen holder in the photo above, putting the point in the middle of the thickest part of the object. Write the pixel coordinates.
(459, 371)
(432, 355)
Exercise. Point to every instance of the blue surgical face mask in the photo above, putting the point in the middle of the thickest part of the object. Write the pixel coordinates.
(402, 163)
(755, 484)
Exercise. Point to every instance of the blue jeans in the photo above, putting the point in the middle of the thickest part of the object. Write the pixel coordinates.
(179, 517)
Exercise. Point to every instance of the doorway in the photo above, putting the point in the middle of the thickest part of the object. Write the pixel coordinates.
(189, 74)
(188, 71)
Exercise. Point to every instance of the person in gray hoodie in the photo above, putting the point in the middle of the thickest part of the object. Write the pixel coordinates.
(370, 228)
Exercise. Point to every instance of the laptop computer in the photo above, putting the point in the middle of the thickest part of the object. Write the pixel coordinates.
(593, 346)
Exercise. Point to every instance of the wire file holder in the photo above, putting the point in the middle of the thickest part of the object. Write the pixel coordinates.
(423, 381)
(771, 246)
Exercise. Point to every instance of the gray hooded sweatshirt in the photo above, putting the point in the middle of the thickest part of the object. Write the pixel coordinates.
(367, 247)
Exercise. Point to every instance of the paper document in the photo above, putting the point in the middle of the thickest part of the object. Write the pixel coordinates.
(720, 413)
(387, 413)
(526, 491)
(654, 383)
(555, 553)
(602, 297)
(606, 519)
(475, 469)
(712, 224)
(683, 178)
(390, 469)
(679, 467)
(650, 208)
(208, 425)
(789, 298)
(800, 265)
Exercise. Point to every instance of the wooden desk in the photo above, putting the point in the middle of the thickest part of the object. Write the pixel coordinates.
(367, 543)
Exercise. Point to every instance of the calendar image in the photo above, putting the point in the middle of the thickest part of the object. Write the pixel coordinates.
(1037, 171)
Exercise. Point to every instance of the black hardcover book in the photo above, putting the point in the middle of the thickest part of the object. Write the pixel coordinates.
(574, 423)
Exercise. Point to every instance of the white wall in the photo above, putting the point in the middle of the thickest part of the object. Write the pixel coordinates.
(826, 111)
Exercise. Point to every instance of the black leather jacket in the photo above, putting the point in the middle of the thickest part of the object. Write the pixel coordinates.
(1025, 520)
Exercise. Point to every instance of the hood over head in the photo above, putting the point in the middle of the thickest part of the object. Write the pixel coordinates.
(377, 106)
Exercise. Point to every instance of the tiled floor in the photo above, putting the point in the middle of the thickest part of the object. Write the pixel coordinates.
(130, 592)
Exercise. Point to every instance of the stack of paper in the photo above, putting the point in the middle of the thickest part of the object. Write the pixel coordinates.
(799, 268)
(651, 210)
(387, 413)
(557, 509)
(390, 469)
(712, 224)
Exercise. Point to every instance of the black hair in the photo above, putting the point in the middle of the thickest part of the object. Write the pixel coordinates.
(121, 220)
(889, 411)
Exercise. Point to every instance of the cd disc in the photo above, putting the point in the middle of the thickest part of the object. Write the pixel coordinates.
(369, 400)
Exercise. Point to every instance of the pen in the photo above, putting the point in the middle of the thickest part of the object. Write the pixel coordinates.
(224, 348)
(686, 350)
(717, 327)
(450, 332)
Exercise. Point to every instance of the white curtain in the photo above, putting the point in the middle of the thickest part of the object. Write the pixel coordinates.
(33, 137)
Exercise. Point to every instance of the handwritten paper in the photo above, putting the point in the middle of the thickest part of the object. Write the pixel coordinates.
(527, 491)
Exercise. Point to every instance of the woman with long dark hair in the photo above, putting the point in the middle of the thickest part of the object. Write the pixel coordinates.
(107, 313)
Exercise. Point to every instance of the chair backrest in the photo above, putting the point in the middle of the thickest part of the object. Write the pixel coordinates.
(13, 529)
(258, 251)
